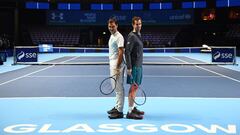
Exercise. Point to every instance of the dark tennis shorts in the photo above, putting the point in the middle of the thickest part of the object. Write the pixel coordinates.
(136, 76)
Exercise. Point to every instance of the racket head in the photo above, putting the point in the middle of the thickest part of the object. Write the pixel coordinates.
(141, 97)
(108, 85)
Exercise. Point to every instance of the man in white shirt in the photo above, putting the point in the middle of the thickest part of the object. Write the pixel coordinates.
(116, 51)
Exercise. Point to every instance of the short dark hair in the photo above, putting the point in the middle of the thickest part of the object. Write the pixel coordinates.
(113, 20)
(136, 18)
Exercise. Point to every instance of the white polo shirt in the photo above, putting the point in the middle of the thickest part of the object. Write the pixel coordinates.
(116, 40)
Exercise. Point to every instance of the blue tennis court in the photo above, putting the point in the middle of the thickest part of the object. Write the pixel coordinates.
(65, 99)
(168, 116)
(60, 59)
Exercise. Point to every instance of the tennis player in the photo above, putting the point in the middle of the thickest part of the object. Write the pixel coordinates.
(116, 51)
(134, 59)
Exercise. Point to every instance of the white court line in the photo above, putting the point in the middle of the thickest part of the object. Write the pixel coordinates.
(25, 75)
(33, 72)
(29, 98)
(70, 59)
(180, 76)
(66, 76)
(210, 71)
(93, 76)
(218, 74)
(219, 65)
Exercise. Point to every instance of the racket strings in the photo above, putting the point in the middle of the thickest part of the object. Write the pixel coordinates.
(108, 85)
(137, 94)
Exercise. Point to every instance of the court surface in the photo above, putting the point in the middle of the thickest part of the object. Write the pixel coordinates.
(65, 99)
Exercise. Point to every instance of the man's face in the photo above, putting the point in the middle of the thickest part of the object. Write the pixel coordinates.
(112, 27)
(137, 25)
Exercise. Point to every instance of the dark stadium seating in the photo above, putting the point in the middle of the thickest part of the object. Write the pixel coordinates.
(59, 36)
(234, 31)
(161, 38)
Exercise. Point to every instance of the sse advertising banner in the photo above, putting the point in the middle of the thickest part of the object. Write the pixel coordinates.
(26, 54)
(225, 55)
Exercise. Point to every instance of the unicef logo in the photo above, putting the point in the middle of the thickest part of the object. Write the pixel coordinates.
(216, 55)
(20, 55)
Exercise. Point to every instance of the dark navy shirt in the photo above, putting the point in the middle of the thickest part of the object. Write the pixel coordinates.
(134, 50)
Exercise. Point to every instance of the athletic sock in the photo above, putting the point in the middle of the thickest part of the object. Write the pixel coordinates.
(130, 108)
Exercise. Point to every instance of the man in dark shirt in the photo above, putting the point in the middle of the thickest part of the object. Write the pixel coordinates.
(134, 59)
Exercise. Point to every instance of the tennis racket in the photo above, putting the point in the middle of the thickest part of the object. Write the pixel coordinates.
(108, 85)
(137, 93)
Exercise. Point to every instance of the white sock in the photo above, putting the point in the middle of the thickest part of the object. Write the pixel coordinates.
(130, 108)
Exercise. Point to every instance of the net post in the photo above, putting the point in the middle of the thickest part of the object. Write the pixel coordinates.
(235, 53)
(14, 56)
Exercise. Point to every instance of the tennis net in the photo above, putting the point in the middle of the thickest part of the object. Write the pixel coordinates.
(35, 55)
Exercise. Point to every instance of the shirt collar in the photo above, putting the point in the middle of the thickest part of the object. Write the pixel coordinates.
(137, 33)
(115, 34)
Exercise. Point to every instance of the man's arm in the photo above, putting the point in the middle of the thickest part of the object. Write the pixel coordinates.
(128, 51)
(120, 56)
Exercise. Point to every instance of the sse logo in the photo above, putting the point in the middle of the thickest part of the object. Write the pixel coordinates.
(223, 54)
(22, 55)
(218, 55)
(26, 56)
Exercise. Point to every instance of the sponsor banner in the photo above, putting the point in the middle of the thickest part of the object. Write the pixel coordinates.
(45, 48)
(26, 54)
(163, 17)
(223, 55)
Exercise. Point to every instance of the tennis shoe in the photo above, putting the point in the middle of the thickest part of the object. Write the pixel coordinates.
(134, 116)
(113, 110)
(136, 111)
(116, 115)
